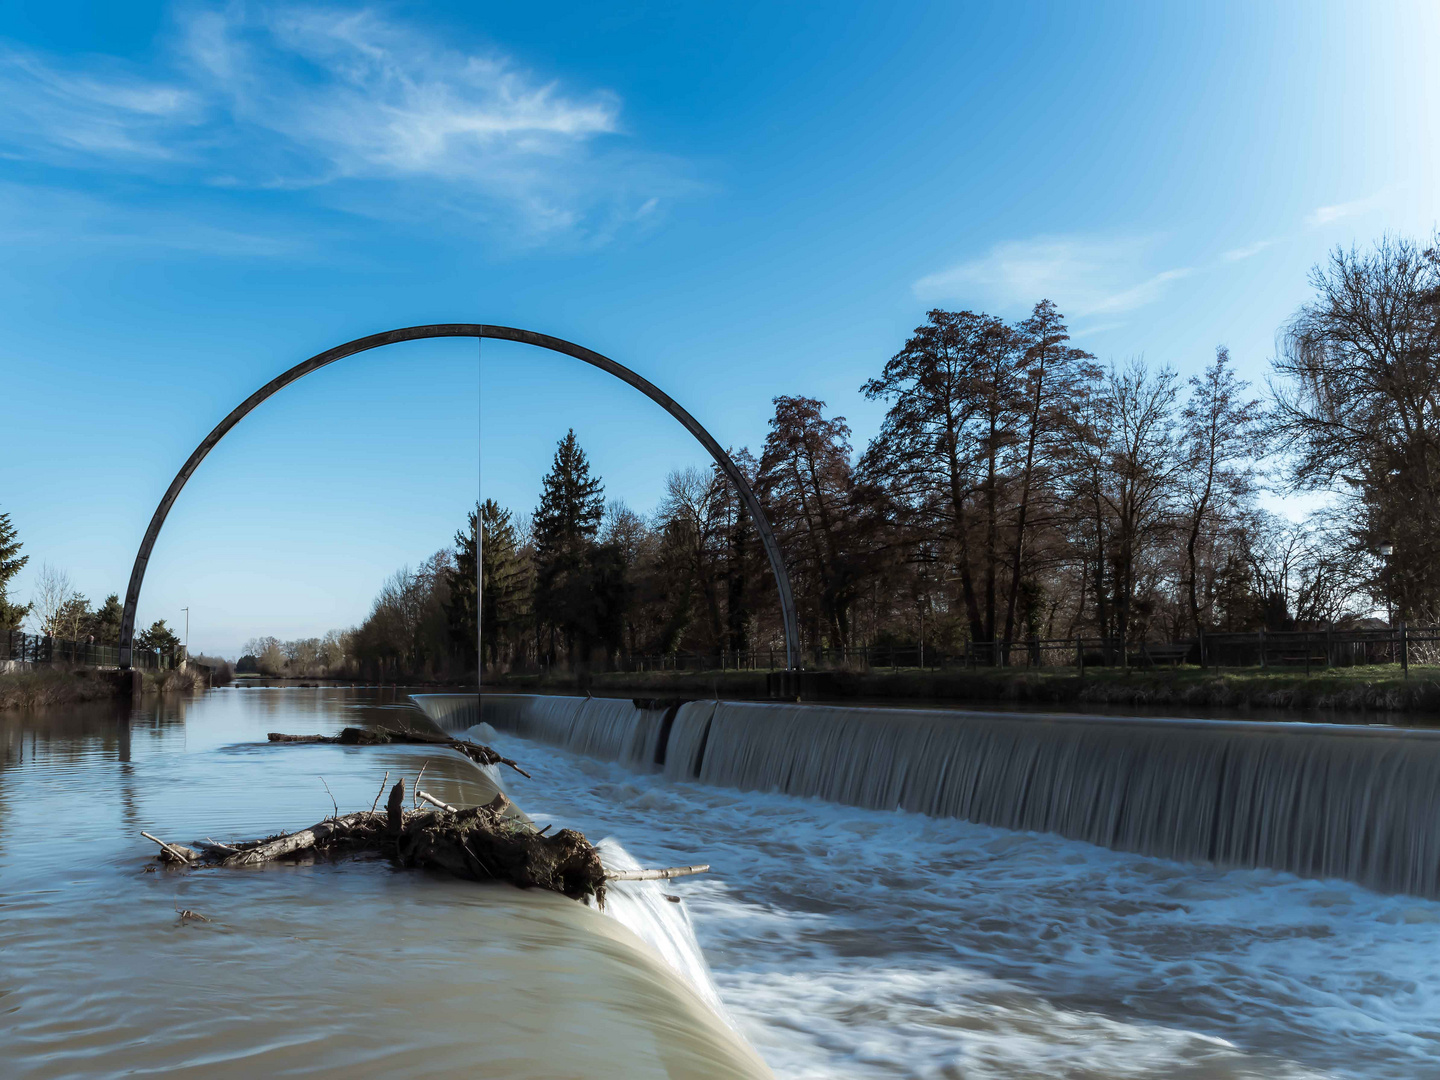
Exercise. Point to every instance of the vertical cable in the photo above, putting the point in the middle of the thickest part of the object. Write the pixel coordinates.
(480, 507)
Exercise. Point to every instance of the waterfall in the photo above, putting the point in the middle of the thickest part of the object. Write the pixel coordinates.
(1359, 803)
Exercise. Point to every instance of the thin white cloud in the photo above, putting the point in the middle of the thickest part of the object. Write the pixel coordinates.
(64, 116)
(277, 97)
(1085, 276)
(1324, 215)
(1240, 253)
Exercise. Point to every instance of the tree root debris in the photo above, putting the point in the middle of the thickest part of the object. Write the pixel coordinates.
(353, 736)
(478, 843)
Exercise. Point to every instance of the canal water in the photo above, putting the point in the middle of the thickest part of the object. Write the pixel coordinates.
(328, 970)
(832, 941)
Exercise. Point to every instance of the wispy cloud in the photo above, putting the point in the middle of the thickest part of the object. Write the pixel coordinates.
(1241, 253)
(348, 103)
(1324, 215)
(1085, 276)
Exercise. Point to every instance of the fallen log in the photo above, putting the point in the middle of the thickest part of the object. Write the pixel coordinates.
(353, 736)
(479, 843)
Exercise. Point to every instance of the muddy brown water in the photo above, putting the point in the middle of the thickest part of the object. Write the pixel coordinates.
(348, 969)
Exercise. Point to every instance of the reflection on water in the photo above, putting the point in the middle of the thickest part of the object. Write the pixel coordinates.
(325, 970)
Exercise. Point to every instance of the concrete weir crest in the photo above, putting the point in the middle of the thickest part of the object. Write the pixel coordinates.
(479, 331)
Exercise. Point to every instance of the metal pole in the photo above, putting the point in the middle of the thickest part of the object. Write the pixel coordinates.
(479, 519)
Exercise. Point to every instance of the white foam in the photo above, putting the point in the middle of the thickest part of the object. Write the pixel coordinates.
(661, 924)
(866, 943)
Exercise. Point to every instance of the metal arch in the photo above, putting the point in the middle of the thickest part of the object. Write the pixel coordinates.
(475, 330)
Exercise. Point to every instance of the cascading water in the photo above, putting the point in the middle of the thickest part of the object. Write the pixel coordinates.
(664, 926)
(641, 906)
(1317, 800)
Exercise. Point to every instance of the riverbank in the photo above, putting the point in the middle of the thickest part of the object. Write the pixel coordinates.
(73, 686)
(1376, 689)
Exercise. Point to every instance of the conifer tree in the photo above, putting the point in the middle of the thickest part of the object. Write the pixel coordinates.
(567, 521)
(105, 624)
(158, 637)
(11, 563)
(503, 598)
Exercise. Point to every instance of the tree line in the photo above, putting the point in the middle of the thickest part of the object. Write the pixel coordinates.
(1017, 489)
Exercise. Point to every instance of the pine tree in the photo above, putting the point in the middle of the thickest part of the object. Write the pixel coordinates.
(460, 610)
(105, 624)
(11, 563)
(572, 505)
(572, 502)
(503, 594)
(159, 637)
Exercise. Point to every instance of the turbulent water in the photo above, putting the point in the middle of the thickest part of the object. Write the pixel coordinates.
(329, 970)
(854, 942)
(1360, 803)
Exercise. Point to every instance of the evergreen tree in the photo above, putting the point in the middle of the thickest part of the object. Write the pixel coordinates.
(105, 623)
(159, 636)
(503, 594)
(460, 611)
(572, 506)
(11, 563)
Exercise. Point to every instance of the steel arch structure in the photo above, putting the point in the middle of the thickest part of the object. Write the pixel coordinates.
(479, 331)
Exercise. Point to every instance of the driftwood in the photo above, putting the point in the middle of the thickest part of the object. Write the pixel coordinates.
(480, 843)
(353, 736)
(656, 875)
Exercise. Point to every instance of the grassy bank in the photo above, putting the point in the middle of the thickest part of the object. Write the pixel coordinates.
(1357, 689)
(71, 686)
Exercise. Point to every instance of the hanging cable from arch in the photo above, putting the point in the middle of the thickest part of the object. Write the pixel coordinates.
(480, 513)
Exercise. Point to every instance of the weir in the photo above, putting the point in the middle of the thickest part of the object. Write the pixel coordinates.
(1318, 800)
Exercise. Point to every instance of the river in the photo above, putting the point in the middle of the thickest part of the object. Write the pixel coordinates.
(835, 941)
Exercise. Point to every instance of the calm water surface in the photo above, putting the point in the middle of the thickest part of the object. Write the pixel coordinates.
(345, 969)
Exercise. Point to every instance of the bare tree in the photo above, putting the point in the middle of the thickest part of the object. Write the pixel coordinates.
(1052, 374)
(1134, 468)
(1357, 400)
(806, 482)
(53, 593)
(1220, 438)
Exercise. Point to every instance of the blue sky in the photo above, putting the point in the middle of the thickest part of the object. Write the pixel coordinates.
(737, 203)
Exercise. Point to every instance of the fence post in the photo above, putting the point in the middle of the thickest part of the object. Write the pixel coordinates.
(1200, 632)
(1404, 650)
(1080, 656)
(1262, 646)
(1329, 647)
